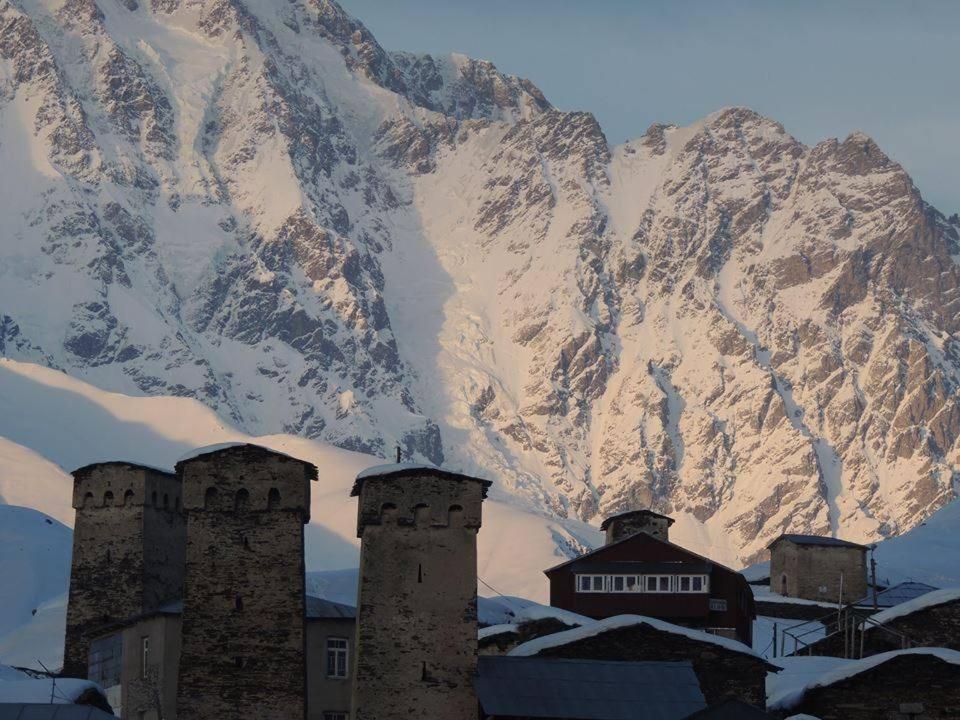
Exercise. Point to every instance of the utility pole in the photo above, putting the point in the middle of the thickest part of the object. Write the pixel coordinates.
(399, 454)
(873, 574)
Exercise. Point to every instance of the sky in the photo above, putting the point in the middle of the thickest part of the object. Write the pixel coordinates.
(822, 69)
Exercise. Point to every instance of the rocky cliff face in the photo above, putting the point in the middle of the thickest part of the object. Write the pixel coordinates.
(257, 205)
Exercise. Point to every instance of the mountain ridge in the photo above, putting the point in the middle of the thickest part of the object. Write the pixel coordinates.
(260, 207)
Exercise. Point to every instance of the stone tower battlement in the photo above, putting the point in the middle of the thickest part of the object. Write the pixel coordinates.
(118, 484)
(437, 499)
(239, 476)
(417, 613)
(630, 523)
(129, 546)
(242, 653)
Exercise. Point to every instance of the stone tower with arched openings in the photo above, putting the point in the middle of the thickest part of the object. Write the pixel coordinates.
(417, 606)
(243, 638)
(129, 542)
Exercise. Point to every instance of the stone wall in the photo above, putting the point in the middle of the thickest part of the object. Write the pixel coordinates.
(128, 550)
(921, 683)
(813, 571)
(722, 673)
(244, 609)
(417, 614)
(627, 524)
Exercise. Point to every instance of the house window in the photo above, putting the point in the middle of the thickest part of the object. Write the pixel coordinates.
(658, 583)
(144, 656)
(334, 716)
(591, 583)
(337, 658)
(692, 583)
(624, 583)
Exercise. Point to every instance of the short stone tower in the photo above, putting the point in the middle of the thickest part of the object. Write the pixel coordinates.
(417, 614)
(129, 542)
(243, 616)
(630, 523)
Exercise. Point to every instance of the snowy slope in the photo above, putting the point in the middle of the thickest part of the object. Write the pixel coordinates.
(255, 205)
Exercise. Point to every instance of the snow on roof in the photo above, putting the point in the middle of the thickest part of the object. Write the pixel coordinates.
(217, 447)
(852, 668)
(765, 594)
(927, 600)
(133, 463)
(599, 627)
(496, 630)
(896, 594)
(607, 521)
(532, 613)
(18, 687)
(399, 468)
(757, 572)
(786, 687)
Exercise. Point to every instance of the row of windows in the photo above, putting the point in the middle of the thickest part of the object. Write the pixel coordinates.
(241, 499)
(643, 583)
(109, 500)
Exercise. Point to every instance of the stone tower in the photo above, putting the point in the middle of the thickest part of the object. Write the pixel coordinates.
(243, 647)
(417, 615)
(630, 523)
(129, 543)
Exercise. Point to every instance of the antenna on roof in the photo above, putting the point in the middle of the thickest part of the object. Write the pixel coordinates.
(399, 454)
(53, 680)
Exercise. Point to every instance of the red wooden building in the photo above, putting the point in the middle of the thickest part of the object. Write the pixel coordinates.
(640, 572)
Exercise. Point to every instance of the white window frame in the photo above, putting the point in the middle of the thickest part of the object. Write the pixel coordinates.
(637, 583)
(144, 656)
(335, 715)
(657, 589)
(338, 648)
(593, 577)
(704, 584)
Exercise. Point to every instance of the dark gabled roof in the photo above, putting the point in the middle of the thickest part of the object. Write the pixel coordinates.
(633, 538)
(897, 594)
(234, 447)
(586, 689)
(630, 513)
(59, 711)
(129, 463)
(398, 470)
(816, 540)
(731, 709)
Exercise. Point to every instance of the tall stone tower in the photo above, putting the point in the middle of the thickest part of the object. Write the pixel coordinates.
(630, 523)
(129, 543)
(243, 646)
(417, 615)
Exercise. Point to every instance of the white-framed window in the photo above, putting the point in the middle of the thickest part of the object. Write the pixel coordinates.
(692, 583)
(658, 583)
(591, 583)
(334, 716)
(337, 657)
(624, 583)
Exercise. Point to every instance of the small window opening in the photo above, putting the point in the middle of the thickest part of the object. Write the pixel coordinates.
(107, 499)
(88, 500)
(241, 500)
(238, 603)
(210, 498)
(153, 498)
(166, 501)
(273, 499)
(423, 671)
(419, 573)
(128, 497)
(144, 656)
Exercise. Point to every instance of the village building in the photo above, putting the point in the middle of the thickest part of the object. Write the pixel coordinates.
(929, 620)
(818, 568)
(914, 684)
(731, 710)
(524, 688)
(725, 669)
(639, 571)
(417, 604)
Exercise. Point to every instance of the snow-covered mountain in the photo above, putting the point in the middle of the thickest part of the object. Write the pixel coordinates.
(255, 205)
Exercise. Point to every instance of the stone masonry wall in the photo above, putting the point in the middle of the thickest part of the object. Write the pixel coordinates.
(243, 648)
(417, 615)
(633, 523)
(116, 570)
(722, 673)
(929, 685)
(813, 571)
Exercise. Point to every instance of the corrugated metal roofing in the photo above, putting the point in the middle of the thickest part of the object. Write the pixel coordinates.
(318, 608)
(816, 540)
(21, 711)
(586, 689)
(897, 594)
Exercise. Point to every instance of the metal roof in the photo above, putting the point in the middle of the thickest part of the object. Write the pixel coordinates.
(29, 711)
(533, 687)
(605, 523)
(897, 594)
(318, 608)
(816, 540)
